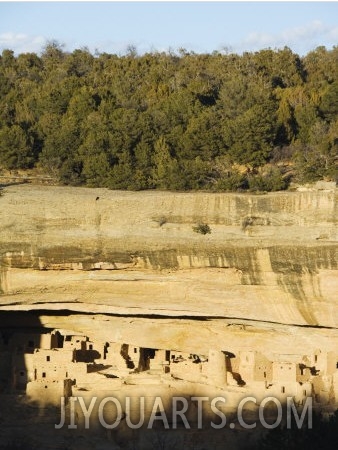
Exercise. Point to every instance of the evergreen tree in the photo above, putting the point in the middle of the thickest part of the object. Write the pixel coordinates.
(15, 148)
(175, 120)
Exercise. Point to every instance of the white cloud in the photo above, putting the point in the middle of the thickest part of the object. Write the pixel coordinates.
(312, 30)
(21, 43)
(333, 34)
(300, 39)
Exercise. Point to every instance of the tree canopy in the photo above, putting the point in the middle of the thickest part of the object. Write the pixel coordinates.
(171, 121)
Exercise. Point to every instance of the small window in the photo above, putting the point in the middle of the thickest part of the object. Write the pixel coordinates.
(43, 374)
(90, 347)
(283, 390)
(47, 358)
(316, 358)
(135, 350)
(304, 392)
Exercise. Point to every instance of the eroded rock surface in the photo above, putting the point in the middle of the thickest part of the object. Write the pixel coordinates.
(269, 258)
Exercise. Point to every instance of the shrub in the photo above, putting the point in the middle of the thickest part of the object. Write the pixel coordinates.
(272, 180)
(234, 181)
(202, 228)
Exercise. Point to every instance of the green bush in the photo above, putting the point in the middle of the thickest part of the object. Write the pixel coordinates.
(202, 228)
(270, 181)
(235, 181)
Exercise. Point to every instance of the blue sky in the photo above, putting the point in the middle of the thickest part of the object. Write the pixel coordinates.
(160, 26)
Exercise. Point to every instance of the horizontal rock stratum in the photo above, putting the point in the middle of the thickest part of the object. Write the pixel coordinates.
(83, 258)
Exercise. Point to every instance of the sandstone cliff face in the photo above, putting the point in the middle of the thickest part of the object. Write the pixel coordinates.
(269, 263)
